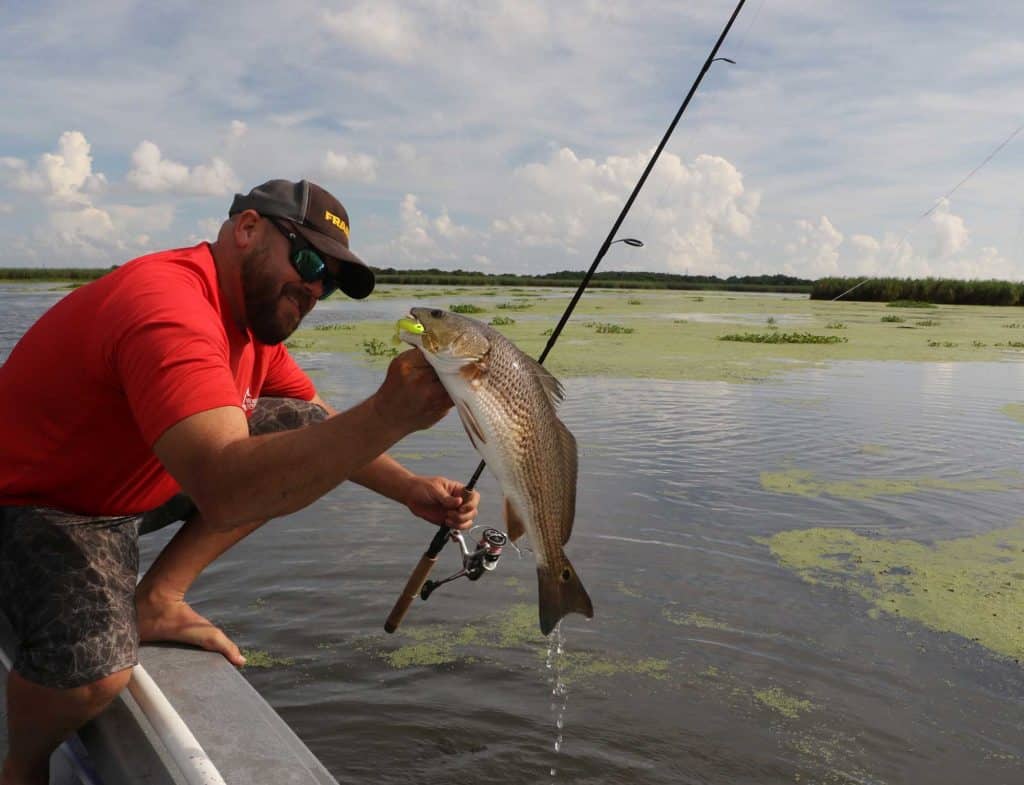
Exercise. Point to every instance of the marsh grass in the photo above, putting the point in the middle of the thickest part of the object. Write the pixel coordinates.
(633, 301)
(465, 308)
(770, 320)
(928, 323)
(501, 321)
(892, 318)
(835, 326)
(334, 327)
(1014, 325)
(946, 344)
(782, 338)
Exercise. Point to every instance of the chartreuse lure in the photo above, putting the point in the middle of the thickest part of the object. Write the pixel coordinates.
(409, 325)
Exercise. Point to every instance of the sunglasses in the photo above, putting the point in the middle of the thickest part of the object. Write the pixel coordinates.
(307, 262)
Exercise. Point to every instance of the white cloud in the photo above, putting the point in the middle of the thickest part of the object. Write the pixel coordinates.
(64, 176)
(381, 29)
(357, 167)
(152, 172)
(950, 231)
(685, 212)
(814, 250)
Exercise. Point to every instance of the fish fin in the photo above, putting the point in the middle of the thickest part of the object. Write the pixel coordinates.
(552, 387)
(471, 426)
(560, 593)
(475, 372)
(513, 523)
(569, 466)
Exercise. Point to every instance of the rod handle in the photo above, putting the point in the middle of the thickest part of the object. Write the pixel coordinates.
(410, 592)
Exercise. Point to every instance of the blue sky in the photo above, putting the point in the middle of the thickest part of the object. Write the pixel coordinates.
(506, 136)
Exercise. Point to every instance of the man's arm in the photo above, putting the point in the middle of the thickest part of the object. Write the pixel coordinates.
(234, 478)
(435, 499)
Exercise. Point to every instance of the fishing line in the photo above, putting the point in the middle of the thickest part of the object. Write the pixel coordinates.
(418, 578)
(998, 148)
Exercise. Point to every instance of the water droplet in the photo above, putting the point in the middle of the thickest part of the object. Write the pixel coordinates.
(558, 744)
(559, 723)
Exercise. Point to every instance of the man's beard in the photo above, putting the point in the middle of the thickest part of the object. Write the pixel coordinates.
(263, 295)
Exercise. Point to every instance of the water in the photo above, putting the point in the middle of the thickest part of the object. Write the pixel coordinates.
(707, 662)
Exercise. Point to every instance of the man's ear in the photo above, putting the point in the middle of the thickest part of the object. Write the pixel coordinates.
(248, 225)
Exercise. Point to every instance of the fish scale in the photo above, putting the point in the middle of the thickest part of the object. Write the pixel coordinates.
(506, 402)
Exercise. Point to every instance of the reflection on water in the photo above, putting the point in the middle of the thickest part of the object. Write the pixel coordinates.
(707, 661)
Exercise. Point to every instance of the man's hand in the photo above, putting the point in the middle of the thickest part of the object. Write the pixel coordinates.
(442, 501)
(411, 393)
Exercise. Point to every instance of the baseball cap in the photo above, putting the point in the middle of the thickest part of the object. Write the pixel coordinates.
(319, 218)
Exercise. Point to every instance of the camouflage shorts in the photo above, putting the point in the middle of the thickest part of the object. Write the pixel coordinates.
(67, 582)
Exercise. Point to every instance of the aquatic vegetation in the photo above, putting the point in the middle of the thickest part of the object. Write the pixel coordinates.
(694, 619)
(513, 628)
(802, 482)
(501, 321)
(465, 308)
(781, 338)
(378, 348)
(633, 301)
(927, 323)
(835, 326)
(517, 305)
(1014, 411)
(910, 304)
(892, 318)
(770, 320)
(656, 351)
(334, 327)
(605, 327)
(968, 586)
(256, 658)
(945, 344)
(777, 699)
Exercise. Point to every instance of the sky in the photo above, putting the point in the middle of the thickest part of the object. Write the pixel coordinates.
(506, 135)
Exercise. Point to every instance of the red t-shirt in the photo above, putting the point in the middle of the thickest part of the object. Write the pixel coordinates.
(97, 380)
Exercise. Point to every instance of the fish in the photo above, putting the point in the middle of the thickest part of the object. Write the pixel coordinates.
(507, 403)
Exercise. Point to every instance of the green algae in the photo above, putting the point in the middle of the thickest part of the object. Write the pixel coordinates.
(777, 699)
(676, 336)
(802, 482)
(1014, 411)
(694, 619)
(968, 586)
(257, 658)
(513, 628)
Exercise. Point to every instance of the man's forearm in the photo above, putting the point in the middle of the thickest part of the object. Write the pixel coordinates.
(385, 476)
(276, 474)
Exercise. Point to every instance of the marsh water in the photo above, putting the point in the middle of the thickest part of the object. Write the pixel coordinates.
(709, 660)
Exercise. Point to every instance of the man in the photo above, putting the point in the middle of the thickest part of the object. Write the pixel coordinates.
(160, 392)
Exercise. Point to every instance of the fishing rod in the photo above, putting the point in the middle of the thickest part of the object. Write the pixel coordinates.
(417, 585)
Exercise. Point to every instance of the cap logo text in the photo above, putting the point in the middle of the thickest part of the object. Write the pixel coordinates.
(339, 222)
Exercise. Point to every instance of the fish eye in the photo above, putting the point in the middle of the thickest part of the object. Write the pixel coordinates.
(437, 313)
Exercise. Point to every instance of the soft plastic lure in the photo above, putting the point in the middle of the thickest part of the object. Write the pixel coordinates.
(409, 325)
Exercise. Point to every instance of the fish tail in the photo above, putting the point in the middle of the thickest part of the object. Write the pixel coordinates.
(561, 593)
